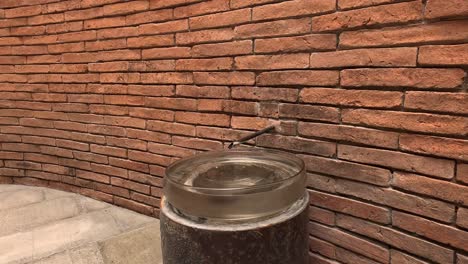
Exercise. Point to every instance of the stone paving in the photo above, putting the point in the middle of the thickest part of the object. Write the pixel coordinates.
(44, 226)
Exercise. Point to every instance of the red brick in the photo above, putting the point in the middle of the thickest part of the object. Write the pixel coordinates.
(170, 150)
(43, 59)
(151, 90)
(202, 91)
(244, 3)
(25, 31)
(135, 206)
(349, 206)
(344, 255)
(359, 98)
(224, 78)
(253, 123)
(112, 33)
(398, 257)
(380, 15)
(196, 143)
(128, 164)
(343, 169)
(148, 158)
(171, 128)
(413, 163)
(64, 27)
(443, 55)
(462, 217)
(413, 34)
(12, 59)
(204, 36)
(224, 134)
(29, 50)
(119, 77)
(124, 121)
(444, 147)
(310, 146)
(293, 8)
(221, 19)
(61, 6)
(106, 88)
(223, 49)
(461, 259)
(46, 19)
(83, 14)
(25, 11)
(106, 44)
(426, 228)
(203, 119)
(150, 41)
(156, 4)
(447, 8)
(385, 57)
(264, 93)
(298, 77)
(171, 103)
(284, 61)
(204, 7)
(167, 78)
(366, 136)
(148, 16)
(403, 77)
(440, 189)
(427, 207)
(164, 53)
(462, 172)
(397, 239)
(437, 102)
(125, 8)
(350, 242)
(310, 112)
(214, 64)
(166, 27)
(275, 28)
(149, 136)
(418, 122)
(322, 216)
(347, 4)
(104, 22)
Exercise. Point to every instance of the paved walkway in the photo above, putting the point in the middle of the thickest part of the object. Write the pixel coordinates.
(45, 226)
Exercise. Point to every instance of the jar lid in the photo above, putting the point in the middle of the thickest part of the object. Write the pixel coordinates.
(235, 184)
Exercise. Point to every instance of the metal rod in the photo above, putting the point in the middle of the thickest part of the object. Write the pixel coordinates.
(249, 137)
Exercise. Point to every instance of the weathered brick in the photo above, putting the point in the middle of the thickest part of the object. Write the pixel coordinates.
(197, 143)
(350, 242)
(222, 49)
(275, 28)
(203, 119)
(358, 98)
(166, 27)
(284, 61)
(293, 8)
(443, 55)
(413, 34)
(151, 41)
(46, 19)
(106, 44)
(413, 163)
(423, 206)
(462, 172)
(437, 102)
(148, 16)
(220, 19)
(348, 170)
(447, 8)
(25, 11)
(462, 217)
(164, 53)
(202, 91)
(403, 77)
(224, 78)
(104, 22)
(125, 8)
(418, 122)
(213, 64)
(440, 189)
(298, 77)
(398, 257)
(310, 146)
(353, 134)
(204, 7)
(397, 239)
(204, 36)
(313, 42)
(380, 15)
(121, 32)
(444, 147)
(385, 57)
(432, 230)
(310, 112)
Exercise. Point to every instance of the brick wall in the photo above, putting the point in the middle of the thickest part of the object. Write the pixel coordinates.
(97, 97)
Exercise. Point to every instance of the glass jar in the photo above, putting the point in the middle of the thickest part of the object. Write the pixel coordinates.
(235, 185)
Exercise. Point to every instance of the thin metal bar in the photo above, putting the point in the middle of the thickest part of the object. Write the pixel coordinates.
(249, 137)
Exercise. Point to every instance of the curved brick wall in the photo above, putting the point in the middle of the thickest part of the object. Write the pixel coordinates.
(97, 97)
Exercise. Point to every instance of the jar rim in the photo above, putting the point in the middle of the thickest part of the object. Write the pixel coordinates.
(299, 164)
